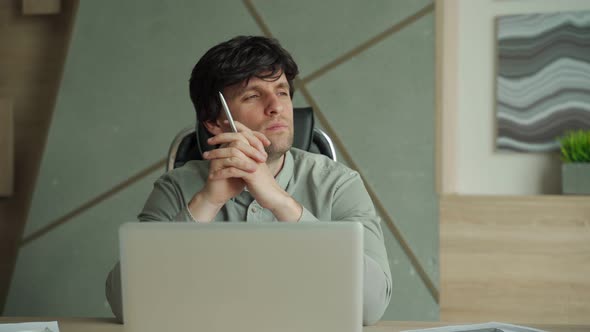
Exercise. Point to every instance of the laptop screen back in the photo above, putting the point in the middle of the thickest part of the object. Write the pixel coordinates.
(242, 277)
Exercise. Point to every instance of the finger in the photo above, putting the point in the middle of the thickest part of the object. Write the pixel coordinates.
(250, 151)
(256, 140)
(262, 138)
(242, 140)
(241, 127)
(224, 138)
(239, 150)
(234, 159)
(227, 173)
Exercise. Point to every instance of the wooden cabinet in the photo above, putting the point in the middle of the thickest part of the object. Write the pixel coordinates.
(515, 258)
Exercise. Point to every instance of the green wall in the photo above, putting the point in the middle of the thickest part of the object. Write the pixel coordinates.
(124, 96)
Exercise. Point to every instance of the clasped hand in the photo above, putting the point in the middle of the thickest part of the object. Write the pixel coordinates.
(240, 161)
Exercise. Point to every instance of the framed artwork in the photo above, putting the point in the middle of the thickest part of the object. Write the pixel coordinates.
(543, 79)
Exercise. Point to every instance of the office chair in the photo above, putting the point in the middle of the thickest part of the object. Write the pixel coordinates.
(190, 143)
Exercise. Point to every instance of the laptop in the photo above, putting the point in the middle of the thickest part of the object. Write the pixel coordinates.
(231, 277)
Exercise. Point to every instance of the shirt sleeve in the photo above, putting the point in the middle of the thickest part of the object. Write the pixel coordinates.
(353, 203)
(113, 292)
(376, 291)
(164, 202)
(307, 216)
(161, 205)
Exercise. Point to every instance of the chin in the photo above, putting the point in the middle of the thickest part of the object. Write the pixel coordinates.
(277, 149)
(275, 153)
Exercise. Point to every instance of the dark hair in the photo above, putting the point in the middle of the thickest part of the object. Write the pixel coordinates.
(234, 61)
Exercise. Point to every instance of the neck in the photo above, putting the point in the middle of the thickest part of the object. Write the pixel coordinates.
(276, 165)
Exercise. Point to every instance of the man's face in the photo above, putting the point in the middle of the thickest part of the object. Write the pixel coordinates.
(264, 106)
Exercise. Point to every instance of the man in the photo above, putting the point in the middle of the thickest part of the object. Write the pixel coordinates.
(255, 175)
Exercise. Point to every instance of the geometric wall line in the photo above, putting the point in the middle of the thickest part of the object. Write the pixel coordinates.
(124, 96)
(369, 43)
(158, 166)
(300, 83)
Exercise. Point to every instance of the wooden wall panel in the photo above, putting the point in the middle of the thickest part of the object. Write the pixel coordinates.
(6, 148)
(523, 259)
(32, 56)
(41, 7)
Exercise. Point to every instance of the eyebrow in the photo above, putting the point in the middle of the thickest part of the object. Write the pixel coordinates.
(242, 89)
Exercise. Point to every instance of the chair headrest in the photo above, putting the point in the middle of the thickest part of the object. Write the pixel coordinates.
(303, 122)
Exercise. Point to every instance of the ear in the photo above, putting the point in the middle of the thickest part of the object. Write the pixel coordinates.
(213, 126)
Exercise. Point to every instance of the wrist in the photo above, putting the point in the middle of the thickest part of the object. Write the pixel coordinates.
(202, 209)
(287, 209)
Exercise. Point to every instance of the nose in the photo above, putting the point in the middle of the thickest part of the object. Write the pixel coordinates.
(273, 105)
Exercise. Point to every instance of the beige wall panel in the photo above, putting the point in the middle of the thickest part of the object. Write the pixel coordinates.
(446, 94)
(469, 161)
(515, 259)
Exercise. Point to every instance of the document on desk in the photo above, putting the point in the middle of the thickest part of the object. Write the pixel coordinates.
(484, 327)
(30, 327)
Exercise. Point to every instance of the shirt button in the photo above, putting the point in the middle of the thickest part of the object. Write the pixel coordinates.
(253, 210)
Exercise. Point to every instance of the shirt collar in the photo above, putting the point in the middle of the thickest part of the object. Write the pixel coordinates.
(286, 173)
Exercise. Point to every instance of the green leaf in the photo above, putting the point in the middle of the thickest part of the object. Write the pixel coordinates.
(575, 146)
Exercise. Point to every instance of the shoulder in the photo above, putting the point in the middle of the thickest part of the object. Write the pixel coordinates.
(189, 172)
(320, 165)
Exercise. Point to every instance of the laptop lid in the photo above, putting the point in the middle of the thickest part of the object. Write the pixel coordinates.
(242, 277)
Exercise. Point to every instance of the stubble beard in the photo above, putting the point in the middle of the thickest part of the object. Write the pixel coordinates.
(276, 150)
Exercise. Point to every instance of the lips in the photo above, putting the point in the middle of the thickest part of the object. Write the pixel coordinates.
(277, 126)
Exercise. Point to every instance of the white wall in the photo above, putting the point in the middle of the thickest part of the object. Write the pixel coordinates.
(468, 96)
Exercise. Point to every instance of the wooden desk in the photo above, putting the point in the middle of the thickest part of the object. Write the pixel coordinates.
(109, 325)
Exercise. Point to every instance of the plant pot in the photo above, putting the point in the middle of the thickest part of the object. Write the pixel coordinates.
(575, 178)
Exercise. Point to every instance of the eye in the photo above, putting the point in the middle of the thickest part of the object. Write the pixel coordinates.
(283, 93)
(248, 97)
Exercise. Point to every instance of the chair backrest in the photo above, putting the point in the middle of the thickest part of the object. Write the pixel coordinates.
(190, 143)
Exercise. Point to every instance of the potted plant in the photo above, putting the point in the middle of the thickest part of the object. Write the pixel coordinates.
(575, 154)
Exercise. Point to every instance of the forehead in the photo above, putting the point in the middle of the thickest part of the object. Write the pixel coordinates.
(255, 82)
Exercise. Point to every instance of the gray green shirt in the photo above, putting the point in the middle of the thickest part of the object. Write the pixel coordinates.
(327, 190)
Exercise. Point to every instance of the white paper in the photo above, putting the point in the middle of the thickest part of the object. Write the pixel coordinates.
(460, 328)
(30, 327)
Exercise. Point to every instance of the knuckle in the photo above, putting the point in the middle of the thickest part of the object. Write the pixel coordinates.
(240, 144)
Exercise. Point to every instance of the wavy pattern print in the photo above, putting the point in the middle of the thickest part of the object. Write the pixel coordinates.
(543, 82)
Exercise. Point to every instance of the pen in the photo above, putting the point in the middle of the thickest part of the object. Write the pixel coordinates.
(230, 119)
(228, 113)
